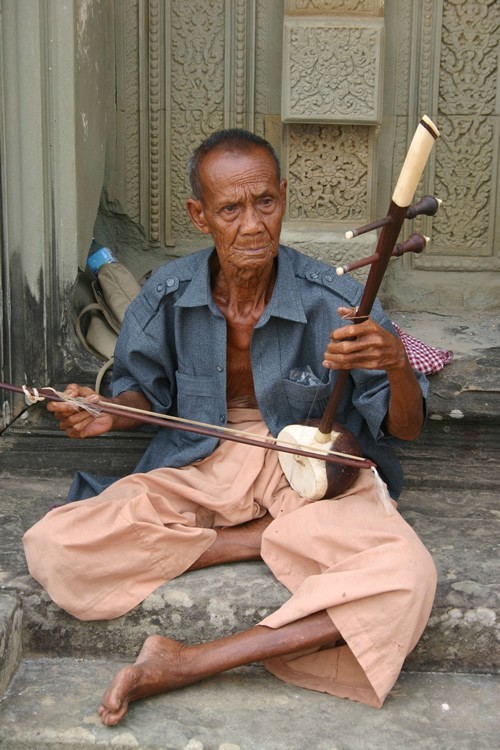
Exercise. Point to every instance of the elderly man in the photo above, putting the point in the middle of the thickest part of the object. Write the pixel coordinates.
(217, 337)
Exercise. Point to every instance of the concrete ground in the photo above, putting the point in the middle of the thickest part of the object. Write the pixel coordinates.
(52, 704)
(54, 668)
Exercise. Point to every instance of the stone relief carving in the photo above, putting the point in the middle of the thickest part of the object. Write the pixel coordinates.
(197, 91)
(343, 7)
(238, 91)
(467, 153)
(262, 57)
(402, 43)
(156, 155)
(465, 183)
(127, 102)
(332, 70)
(329, 173)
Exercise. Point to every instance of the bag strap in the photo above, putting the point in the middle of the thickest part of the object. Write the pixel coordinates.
(93, 307)
(102, 372)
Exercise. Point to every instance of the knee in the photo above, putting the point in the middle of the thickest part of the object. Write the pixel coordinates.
(420, 568)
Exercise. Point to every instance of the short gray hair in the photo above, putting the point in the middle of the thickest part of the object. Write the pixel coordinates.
(235, 139)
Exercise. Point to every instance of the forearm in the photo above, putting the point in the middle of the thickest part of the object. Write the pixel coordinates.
(405, 417)
(130, 399)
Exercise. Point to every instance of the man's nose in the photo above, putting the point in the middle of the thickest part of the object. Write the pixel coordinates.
(251, 220)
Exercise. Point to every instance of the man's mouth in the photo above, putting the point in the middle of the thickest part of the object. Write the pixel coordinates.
(254, 250)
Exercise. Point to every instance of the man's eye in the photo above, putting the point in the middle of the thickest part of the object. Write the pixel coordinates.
(267, 202)
(230, 208)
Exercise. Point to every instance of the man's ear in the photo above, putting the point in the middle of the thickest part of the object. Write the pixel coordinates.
(197, 215)
(283, 186)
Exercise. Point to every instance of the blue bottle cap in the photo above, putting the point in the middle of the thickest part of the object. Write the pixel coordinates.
(99, 258)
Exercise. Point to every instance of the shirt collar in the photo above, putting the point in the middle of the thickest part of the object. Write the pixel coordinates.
(285, 301)
(197, 292)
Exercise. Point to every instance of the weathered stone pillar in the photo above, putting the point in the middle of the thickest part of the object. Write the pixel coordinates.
(54, 100)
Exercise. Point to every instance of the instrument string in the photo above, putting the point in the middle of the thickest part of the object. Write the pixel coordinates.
(95, 408)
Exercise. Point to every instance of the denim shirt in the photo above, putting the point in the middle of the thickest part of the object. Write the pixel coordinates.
(172, 347)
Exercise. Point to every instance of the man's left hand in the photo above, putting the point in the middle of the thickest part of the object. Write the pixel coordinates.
(364, 345)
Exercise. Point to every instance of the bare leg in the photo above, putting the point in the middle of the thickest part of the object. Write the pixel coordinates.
(235, 544)
(164, 664)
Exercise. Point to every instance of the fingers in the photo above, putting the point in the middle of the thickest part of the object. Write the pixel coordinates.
(347, 313)
(353, 331)
(352, 354)
(365, 345)
(71, 391)
(78, 423)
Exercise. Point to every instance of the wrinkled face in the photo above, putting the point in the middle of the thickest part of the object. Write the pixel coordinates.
(242, 207)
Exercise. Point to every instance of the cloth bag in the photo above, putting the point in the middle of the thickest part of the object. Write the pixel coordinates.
(98, 324)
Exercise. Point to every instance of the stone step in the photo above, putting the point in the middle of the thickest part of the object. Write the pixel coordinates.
(451, 450)
(460, 528)
(453, 454)
(52, 703)
(11, 614)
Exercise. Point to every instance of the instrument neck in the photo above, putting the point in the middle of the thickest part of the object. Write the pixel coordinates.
(385, 245)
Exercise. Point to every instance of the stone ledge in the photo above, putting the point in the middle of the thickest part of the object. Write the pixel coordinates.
(468, 387)
(52, 704)
(459, 528)
(10, 638)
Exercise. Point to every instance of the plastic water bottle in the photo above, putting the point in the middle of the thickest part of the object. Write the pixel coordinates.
(98, 256)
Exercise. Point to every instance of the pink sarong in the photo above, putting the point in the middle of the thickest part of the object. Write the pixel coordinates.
(99, 558)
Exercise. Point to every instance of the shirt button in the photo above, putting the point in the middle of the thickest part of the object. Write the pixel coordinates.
(220, 368)
(159, 288)
(222, 419)
(170, 282)
(328, 278)
(314, 275)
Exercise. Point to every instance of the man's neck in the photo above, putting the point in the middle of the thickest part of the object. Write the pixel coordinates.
(242, 292)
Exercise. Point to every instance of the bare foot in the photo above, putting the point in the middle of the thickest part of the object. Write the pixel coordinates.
(164, 664)
(158, 668)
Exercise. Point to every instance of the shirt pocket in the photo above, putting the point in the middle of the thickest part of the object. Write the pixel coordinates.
(306, 400)
(195, 397)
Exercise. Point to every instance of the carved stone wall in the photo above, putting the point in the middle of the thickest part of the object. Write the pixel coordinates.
(332, 69)
(328, 171)
(333, 75)
(338, 86)
(466, 169)
(453, 75)
(185, 70)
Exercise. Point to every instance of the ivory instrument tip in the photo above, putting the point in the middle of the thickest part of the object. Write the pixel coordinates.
(349, 235)
(340, 271)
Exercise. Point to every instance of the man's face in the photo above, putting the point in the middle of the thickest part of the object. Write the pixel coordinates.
(242, 207)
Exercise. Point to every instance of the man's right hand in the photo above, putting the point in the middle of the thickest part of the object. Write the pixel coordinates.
(78, 423)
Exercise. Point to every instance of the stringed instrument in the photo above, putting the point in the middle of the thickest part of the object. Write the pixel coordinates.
(311, 477)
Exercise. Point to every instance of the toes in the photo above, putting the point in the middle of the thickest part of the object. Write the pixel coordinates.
(110, 718)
